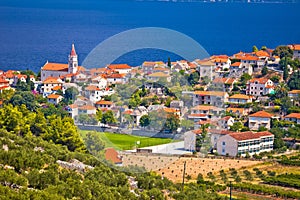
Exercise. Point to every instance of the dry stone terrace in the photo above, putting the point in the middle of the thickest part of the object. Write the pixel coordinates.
(172, 166)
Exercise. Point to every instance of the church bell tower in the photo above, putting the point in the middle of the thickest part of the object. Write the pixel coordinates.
(73, 61)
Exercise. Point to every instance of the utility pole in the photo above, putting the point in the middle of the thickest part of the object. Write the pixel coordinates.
(230, 193)
(183, 177)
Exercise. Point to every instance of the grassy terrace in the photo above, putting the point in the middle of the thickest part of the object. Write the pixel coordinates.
(127, 142)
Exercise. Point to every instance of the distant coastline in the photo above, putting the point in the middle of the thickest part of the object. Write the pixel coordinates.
(227, 1)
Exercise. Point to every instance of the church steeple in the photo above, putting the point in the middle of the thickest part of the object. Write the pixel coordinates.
(73, 52)
(73, 61)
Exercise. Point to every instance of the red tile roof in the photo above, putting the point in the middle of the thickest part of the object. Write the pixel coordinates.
(249, 135)
(3, 81)
(236, 64)
(239, 96)
(204, 107)
(197, 115)
(295, 47)
(247, 57)
(293, 115)
(57, 88)
(102, 102)
(152, 64)
(52, 80)
(171, 110)
(53, 96)
(261, 114)
(210, 93)
(118, 66)
(115, 76)
(87, 107)
(158, 74)
(91, 88)
(128, 112)
(55, 67)
(220, 132)
(112, 155)
(259, 80)
(294, 92)
(72, 106)
(262, 53)
(224, 80)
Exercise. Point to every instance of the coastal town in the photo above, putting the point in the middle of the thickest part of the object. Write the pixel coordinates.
(232, 101)
(216, 120)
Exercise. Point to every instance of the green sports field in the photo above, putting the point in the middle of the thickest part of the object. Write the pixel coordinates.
(127, 142)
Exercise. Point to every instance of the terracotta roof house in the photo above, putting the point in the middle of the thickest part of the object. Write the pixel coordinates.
(157, 76)
(237, 111)
(120, 68)
(104, 104)
(116, 78)
(87, 109)
(293, 117)
(241, 143)
(214, 98)
(239, 99)
(54, 98)
(49, 84)
(260, 119)
(259, 87)
(296, 50)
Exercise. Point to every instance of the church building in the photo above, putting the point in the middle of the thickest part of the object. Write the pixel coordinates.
(61, 70)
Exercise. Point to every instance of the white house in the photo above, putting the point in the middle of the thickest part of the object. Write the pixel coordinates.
(296, 50)
(221, 61)
(120, 68)
(206, 68)
(295, 97)
(259, 87)
(158, 75)
(260, 119)
(149, 66)
(54, 98)
(116, 79)
(180, 65)
(293, 117)
(49, 83)
(138, 113)
(72, 110)
(100, 82)
(241, 143)
(214, 98)
(225, 122)
(104, 104)
(87, 109)
(239, 99)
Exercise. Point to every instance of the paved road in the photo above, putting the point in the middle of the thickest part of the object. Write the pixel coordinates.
(176, 148)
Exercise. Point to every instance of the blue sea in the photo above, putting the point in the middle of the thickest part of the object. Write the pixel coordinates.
(32, 32)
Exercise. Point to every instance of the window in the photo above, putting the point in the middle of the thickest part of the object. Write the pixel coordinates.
(223, 150)
(223, 143)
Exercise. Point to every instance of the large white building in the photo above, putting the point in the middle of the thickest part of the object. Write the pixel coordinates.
(241, 143)
(60, 70)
